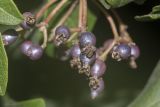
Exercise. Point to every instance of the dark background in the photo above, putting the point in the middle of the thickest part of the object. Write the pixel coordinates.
(59, 85)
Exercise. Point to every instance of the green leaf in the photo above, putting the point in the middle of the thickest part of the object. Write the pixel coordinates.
(154, 15)
(3, 68)
(39, 102)
(9, 14)
(150, 96)
(118, 3)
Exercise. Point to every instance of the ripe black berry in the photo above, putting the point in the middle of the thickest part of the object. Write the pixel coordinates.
(87, 38)
(98, 90)
(29, 21)
(25, 47)
(121, 51)
(135, 51)
(62, 34)
(75, 51)
(9, 36)
(98, 68)
(87, 61)
(33, 51)
(87, 42)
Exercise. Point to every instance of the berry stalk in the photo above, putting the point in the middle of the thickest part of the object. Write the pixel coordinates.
(44, 8)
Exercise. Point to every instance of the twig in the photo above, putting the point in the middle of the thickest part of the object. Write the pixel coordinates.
(110, 20)
(44, 8)
(57, 8)
(84, 15)
(122, 27)
(45, 36)
(103, 57)
(80, 13)
(63, 19)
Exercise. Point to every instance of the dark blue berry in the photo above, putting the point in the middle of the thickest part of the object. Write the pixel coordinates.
(25, 47)
(29, 21)
(75, 51)
(135, 51)
(98, 68)
(87, 61)
(62, 34)
(121, 51)
(35, 51)
(98, 90)
(87, 38)
(9, 36)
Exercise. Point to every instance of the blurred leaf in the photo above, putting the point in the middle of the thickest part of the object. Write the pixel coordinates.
(154, 15)
(9, 14)
(29, 103)
(105, 4)
(118, 3)
(150, 96)
(139, 1)
(3, 68)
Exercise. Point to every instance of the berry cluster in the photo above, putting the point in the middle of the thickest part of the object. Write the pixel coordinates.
(78, 45)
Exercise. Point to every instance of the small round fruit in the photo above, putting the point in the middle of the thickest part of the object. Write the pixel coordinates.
(29, 20)
(35, 51)
(25, 47)
(62, 34)
(87, 61)
(87, 38)
(97, 91)
(98, 68)
(121, 51)
(63, 30)
(75, 51)
(9, 36)
(135, 51)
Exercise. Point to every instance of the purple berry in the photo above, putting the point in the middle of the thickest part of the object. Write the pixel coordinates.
(29, 20)
(63, 30)
(62, 34)
(98, 90)
(25, 47)
(35, 51)
(135, 51)
(87, 61)
(75, 51)
(98, 68)
(9, 36)
(87, 38)
(121, 51)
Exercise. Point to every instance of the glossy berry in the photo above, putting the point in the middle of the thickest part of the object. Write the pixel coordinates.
(87, 61)
(75, 51)
(62, 34)
(9, 36)
(35, 51)
(25, 47)
(135, 51)
(29, 20)
(98, 68)
(87, 38)
(98, 90)
(121, 51)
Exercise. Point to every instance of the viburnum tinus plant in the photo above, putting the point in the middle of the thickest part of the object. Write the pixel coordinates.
(78, 43)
